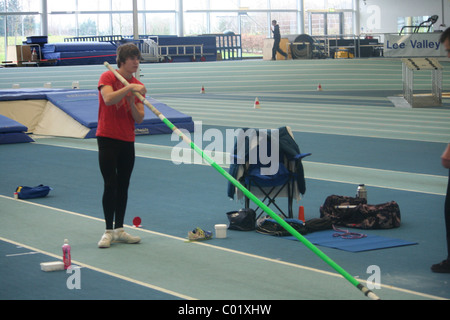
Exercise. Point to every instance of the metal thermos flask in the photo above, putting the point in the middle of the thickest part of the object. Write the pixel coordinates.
(361, 192)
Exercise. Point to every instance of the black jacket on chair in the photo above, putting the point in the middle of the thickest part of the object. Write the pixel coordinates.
(287, 148)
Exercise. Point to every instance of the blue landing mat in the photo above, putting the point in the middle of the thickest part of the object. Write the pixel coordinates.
(12, 131)
(29, 93)
(371, 242)
(82, 106)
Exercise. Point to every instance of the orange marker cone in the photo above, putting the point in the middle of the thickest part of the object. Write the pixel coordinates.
(319, 87)
(301, 213)
(203, 90)
(256, 104)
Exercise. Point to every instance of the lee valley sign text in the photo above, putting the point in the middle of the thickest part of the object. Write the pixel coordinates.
(414, 45)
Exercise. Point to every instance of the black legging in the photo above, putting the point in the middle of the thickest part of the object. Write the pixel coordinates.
(116, 159)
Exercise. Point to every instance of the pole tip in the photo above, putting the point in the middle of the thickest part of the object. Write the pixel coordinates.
(372, 296)
(368, 293)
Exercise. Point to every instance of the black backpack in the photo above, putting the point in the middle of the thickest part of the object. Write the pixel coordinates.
(242, 220)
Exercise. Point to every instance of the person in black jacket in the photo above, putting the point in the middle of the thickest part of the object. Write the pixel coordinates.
(444, 266)
(276, 42)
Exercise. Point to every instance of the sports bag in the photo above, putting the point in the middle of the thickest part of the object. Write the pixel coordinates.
(356, 213)
(269, 226)
(39, 191)
(242, 220)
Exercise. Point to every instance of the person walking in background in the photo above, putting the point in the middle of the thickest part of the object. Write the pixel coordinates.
(276, 41)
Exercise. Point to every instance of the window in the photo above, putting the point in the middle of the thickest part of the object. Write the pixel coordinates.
(122, 24)
(224, 5)
(286, 4)
(157, 24)
(328, 4)
(254, 31)
(60, 26)
(194, 24)
(92, 5)
(254, 4)
(21, 18)
(58, 5)
(195, 4)
(250, 18)
(224, 21)
(157, 5)
(411, 24)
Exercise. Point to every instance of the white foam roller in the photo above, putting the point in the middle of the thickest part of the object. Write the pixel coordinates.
(52, 266)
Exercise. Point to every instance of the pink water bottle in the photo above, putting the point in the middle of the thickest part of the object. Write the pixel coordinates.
(66, 254)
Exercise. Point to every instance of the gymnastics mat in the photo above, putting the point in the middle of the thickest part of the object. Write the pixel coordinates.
(370, 242)
(12, 131)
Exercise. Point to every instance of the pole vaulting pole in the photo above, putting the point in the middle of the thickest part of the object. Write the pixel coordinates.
(248, 194)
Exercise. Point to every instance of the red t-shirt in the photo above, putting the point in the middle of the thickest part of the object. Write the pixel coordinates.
(115, 121)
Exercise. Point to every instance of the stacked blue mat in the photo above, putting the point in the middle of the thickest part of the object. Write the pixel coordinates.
(209, 47)
(80, 53)
(82, 106)
(88, 53)
(12, 132)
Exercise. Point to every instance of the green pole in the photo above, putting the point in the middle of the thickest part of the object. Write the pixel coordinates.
(248, 194)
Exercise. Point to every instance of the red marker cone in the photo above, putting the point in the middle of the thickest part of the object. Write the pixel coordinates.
(137, 222)
(256, 104)
(301, 213)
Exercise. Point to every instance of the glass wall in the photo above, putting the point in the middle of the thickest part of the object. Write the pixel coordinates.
(250, 18)
(329, 17)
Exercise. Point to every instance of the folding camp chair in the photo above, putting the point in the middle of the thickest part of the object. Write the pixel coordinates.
(269, 164)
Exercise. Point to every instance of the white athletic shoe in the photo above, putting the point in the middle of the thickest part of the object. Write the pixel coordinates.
(105, 241)
(121, 236)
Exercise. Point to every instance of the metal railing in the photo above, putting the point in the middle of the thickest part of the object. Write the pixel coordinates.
(358, 45)
(229, 46)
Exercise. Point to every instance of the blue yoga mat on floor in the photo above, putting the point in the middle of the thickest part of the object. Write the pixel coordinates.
(371, 242)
